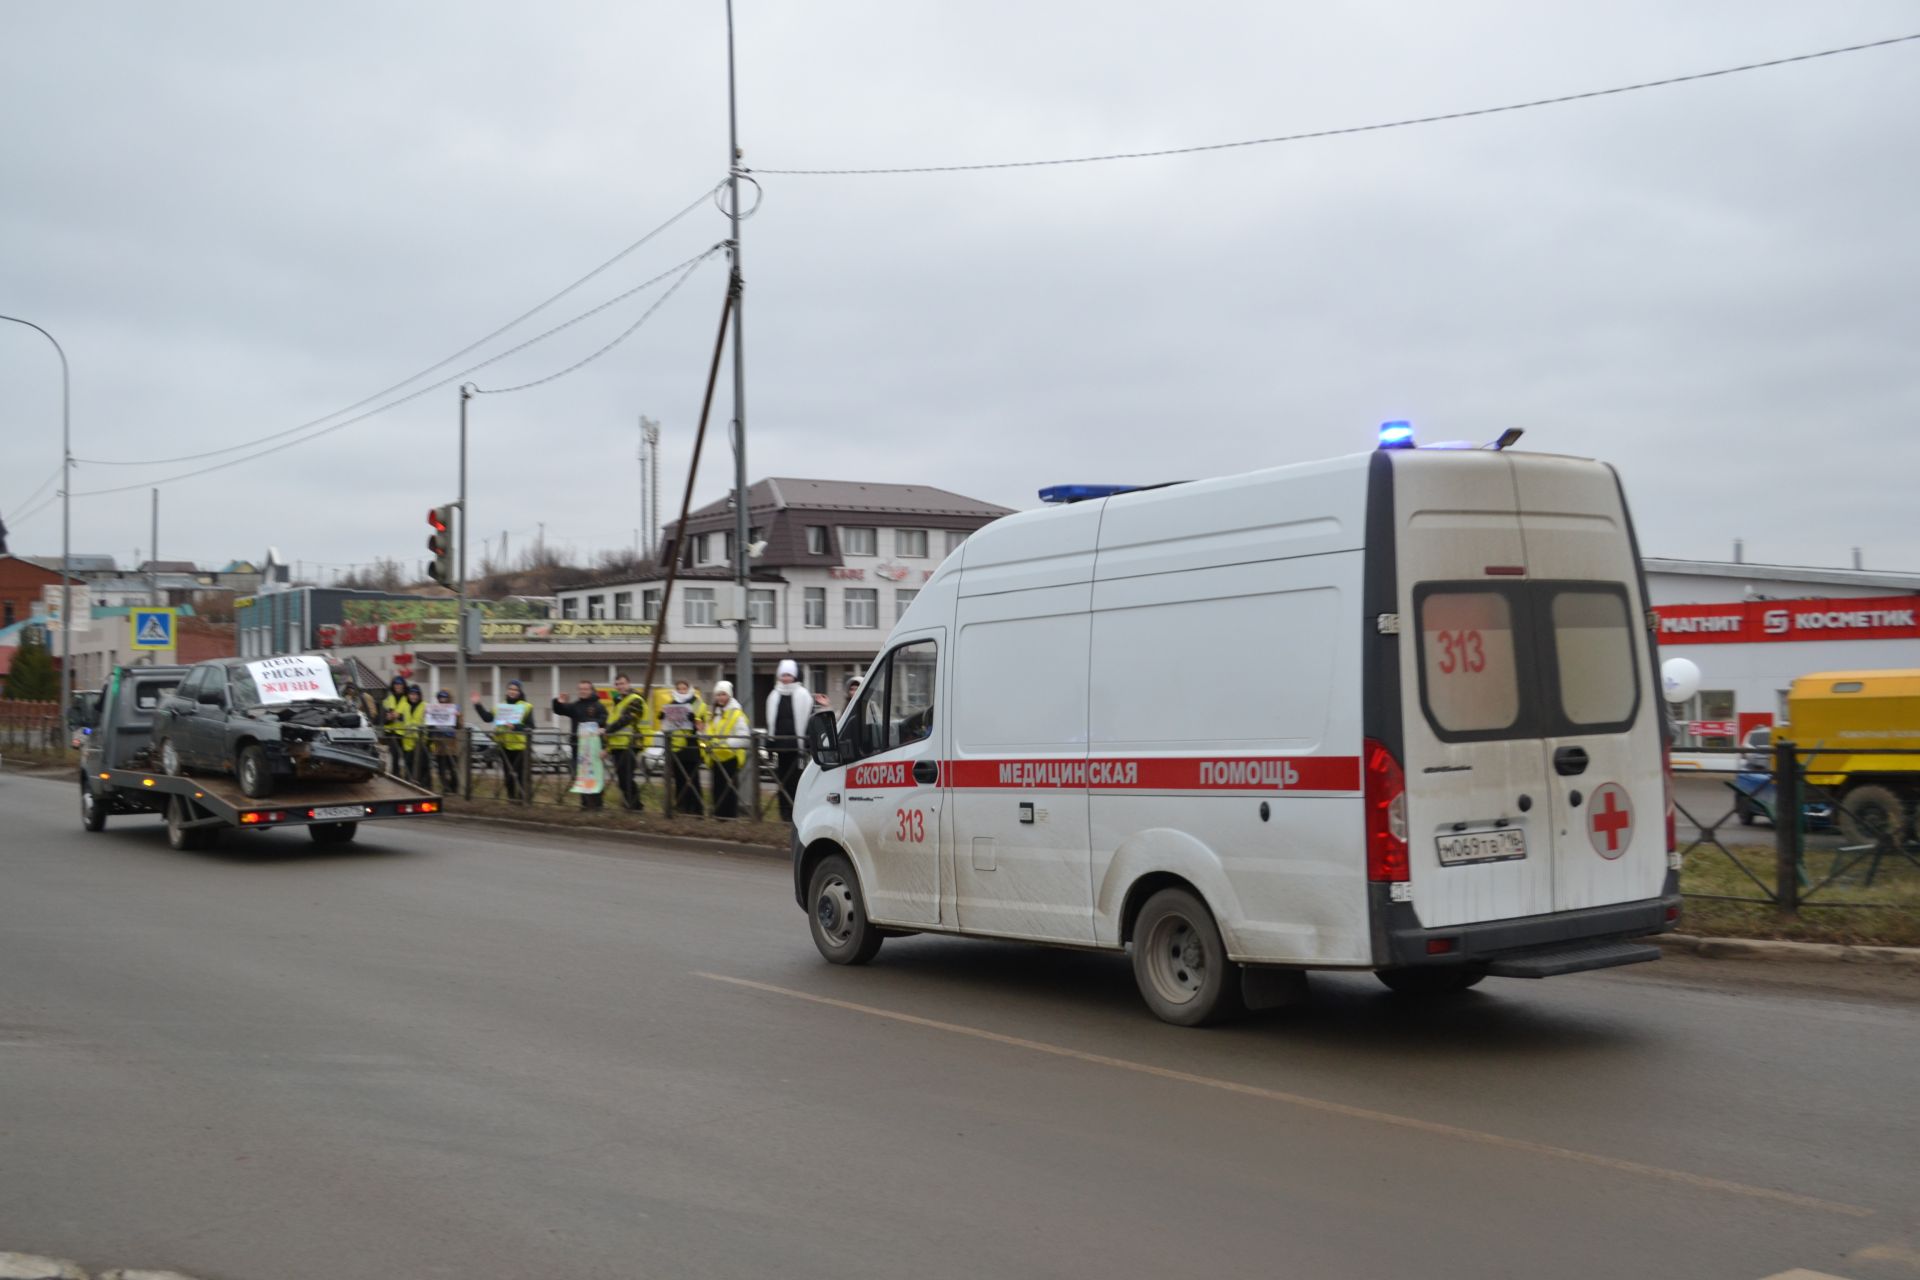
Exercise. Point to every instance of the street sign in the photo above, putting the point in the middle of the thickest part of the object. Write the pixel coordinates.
(151, 628)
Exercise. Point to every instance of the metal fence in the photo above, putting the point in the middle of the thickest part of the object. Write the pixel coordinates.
(1866, 821)
(704, 778)
(32, 727)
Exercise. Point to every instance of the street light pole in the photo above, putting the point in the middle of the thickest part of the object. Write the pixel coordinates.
(66, 519)
(743, 524)
(461, 699)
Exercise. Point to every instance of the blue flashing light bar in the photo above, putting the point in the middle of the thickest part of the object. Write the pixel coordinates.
(1085, 492)
(1396, 435)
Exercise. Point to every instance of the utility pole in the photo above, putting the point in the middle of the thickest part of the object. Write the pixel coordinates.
(650, 485)
(153, 555)
(66, 513)
(742, 520)
(461, 699)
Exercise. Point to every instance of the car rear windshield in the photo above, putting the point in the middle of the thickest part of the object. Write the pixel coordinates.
(1526, 659)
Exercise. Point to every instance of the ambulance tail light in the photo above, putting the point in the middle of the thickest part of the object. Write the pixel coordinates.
(1386, 810)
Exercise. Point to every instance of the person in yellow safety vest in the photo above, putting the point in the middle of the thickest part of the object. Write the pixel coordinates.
(444, 744)
(629, 725)
(412, 722)
(392, 709)
(728, 740)
(682, 719)
(511, 720)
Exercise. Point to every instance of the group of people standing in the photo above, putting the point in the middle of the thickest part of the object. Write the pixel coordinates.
(691, 732)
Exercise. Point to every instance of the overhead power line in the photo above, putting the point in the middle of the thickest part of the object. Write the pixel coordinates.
(619, 338)
(37, 489)
(438, 364)
(1376, 127)
(411, 395)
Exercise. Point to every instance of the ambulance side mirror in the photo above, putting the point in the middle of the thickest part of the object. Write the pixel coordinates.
(823, 740)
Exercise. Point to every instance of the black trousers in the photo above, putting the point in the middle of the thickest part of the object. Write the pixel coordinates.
(686, 780)
(448, 765)
(787, 768)
(513, 767)
(623, 762)
(726, 788)
(396, 756)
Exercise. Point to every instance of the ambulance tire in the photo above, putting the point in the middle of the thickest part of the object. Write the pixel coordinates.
(1180, 962)
(837, 915)
(1428, 982)
(1870, 812)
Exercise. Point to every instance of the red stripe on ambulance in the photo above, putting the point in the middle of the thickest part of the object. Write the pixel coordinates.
(1232, 773)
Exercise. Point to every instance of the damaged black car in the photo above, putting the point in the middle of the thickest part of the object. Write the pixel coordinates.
(265, 721)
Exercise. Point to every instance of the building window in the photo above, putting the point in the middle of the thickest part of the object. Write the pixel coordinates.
(7, 610)
(700, 607)
(570, 606)
(700, 548)
(818, 677)
(860, 542)
(816, 615)
(954, 538)
(902, 597)
(910, 543)
(650, 605)
(596, 608)
(623, 606)
(816, 539)
(760, 607)
(863, 606)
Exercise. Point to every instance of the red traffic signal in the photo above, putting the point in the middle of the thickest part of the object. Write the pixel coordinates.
(440, 543)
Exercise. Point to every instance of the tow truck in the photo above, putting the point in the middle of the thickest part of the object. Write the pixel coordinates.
(119, 774)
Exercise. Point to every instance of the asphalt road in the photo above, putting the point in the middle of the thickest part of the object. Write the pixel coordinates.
(458, 1050)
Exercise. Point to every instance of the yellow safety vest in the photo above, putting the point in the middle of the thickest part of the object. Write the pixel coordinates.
(513, 737)
(395, 707)
(728, 722)
(412, 725)
(680, 740)
(641, 725)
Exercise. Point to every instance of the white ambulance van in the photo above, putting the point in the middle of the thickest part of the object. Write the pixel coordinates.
(1392, 712)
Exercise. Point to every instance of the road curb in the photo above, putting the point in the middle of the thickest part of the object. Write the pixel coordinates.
(1773, 949)
(679, 844)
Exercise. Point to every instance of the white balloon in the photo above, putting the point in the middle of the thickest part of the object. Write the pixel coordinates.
(1679, 679)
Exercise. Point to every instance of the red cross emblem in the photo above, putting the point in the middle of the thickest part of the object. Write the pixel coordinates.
(1610, 820)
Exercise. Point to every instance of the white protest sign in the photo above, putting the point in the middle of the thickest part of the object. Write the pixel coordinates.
(292, 679)
(509, 713)
(441, 715)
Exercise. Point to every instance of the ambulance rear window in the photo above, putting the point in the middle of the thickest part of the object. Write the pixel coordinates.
(1593, 652)
(1469, 676)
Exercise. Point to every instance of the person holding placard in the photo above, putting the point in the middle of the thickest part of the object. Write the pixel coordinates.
(586, 709)
(630, 724)
(511, 721)
(443, 739)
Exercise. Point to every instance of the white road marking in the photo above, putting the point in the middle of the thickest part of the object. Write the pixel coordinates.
(1701, 1181)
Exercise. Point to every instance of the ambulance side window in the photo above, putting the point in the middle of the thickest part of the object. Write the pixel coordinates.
(867, 722)
(910, 698)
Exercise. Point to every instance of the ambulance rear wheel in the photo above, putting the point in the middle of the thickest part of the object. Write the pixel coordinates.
(1428, 982)
(839, 914)
(1180, 962)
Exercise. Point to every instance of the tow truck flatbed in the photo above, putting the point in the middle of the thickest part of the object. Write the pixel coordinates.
(197, 807)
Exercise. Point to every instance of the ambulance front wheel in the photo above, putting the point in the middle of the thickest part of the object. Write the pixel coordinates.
(1428, 982)
(838, 914)
(1180, 961)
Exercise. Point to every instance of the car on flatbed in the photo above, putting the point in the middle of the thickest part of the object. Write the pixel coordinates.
(120, 774)
(265, 721)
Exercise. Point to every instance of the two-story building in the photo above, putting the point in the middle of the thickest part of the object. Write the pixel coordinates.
(834, 565)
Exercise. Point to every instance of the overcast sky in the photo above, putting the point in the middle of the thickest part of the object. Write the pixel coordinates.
(238, 217)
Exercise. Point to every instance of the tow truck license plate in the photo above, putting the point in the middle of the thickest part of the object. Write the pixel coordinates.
(334, 811)
(1503, 845)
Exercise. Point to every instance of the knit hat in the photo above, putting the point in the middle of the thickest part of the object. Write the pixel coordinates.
(723, 686)
(788, 667)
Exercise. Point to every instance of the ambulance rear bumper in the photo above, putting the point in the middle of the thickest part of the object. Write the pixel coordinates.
(1401, 941)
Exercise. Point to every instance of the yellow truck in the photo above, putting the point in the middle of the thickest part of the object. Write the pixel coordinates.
(1844, 713)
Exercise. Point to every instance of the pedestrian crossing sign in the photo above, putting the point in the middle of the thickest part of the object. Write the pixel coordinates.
(152, 628)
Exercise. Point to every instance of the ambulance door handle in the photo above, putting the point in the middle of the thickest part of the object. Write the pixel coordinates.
(1570, 762)
(926, 772)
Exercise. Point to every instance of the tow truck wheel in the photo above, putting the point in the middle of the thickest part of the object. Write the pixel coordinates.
(1180, 962)
(93, 814)
(256, 778)
(333, 832)
(1428, 982)
(181, 836)
(839, 915)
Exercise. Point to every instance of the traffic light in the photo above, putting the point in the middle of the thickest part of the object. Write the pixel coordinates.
(440, 543)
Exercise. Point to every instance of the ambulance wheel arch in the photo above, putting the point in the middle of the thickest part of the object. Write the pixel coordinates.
(1161, 858)
(812, 855)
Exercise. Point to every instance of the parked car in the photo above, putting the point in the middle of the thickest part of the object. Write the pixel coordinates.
(265, 721)
(1753, 785)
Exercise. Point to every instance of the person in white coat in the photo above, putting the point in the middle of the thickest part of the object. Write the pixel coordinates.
(789, 707)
